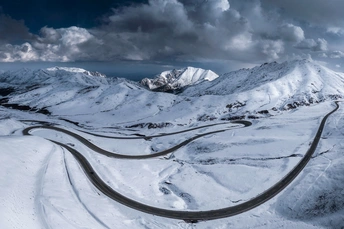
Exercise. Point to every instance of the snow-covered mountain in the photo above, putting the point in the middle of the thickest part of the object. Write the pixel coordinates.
(178, 79)
(75, 76)
(276, 86)
(75, 70)
(247, 93)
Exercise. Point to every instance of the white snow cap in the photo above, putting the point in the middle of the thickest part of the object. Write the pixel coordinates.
(175, 79)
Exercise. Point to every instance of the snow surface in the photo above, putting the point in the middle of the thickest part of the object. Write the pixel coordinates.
(44, 187)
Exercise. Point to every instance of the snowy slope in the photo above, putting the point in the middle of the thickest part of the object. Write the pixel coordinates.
(280, 86)
(177, 79)
(71, 92)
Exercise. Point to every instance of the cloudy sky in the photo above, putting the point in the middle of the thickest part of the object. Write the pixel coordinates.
(221, 35)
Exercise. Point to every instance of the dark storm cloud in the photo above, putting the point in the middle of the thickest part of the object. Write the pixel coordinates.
(169, 28)
(251, 31)
(60, 13)
(12, 30)
(184, 30)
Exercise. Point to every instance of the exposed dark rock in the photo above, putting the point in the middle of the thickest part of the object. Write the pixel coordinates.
(230, 118)
(4, 103)
(87, 89)
(263, 112)
(335, 97)
(309, 101)
(6, 91)
(150, 125)
(67, 120)
(44, 111)
(237, 104)
(32, 87)
(164, 190)
(205, 117)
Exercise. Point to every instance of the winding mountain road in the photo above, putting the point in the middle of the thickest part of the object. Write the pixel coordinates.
(121, 156)
(190, 216)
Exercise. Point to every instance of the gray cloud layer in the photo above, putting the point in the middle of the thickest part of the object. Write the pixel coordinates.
(246, 31)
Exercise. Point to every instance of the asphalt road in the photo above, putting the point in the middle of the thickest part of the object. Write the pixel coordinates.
(145, 156)
(189, 216)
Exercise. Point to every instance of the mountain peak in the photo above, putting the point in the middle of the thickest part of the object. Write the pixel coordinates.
(177, 79)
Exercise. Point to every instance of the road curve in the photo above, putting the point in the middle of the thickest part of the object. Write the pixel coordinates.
(145, 156)
(242, 122)
(199, 215)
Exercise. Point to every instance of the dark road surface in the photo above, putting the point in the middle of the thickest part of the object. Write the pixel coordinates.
(189, 216)
(121, 156)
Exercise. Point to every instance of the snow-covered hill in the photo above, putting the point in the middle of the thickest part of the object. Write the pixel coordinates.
(71, 91)
(275, 86)
(178, 79)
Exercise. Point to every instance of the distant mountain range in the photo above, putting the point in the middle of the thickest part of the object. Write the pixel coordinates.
(260, 91)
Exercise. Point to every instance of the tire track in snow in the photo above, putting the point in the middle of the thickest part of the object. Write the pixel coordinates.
(39, 188)
(75, 192)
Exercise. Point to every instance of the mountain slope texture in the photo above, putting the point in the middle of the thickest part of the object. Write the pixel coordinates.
(282, 86)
